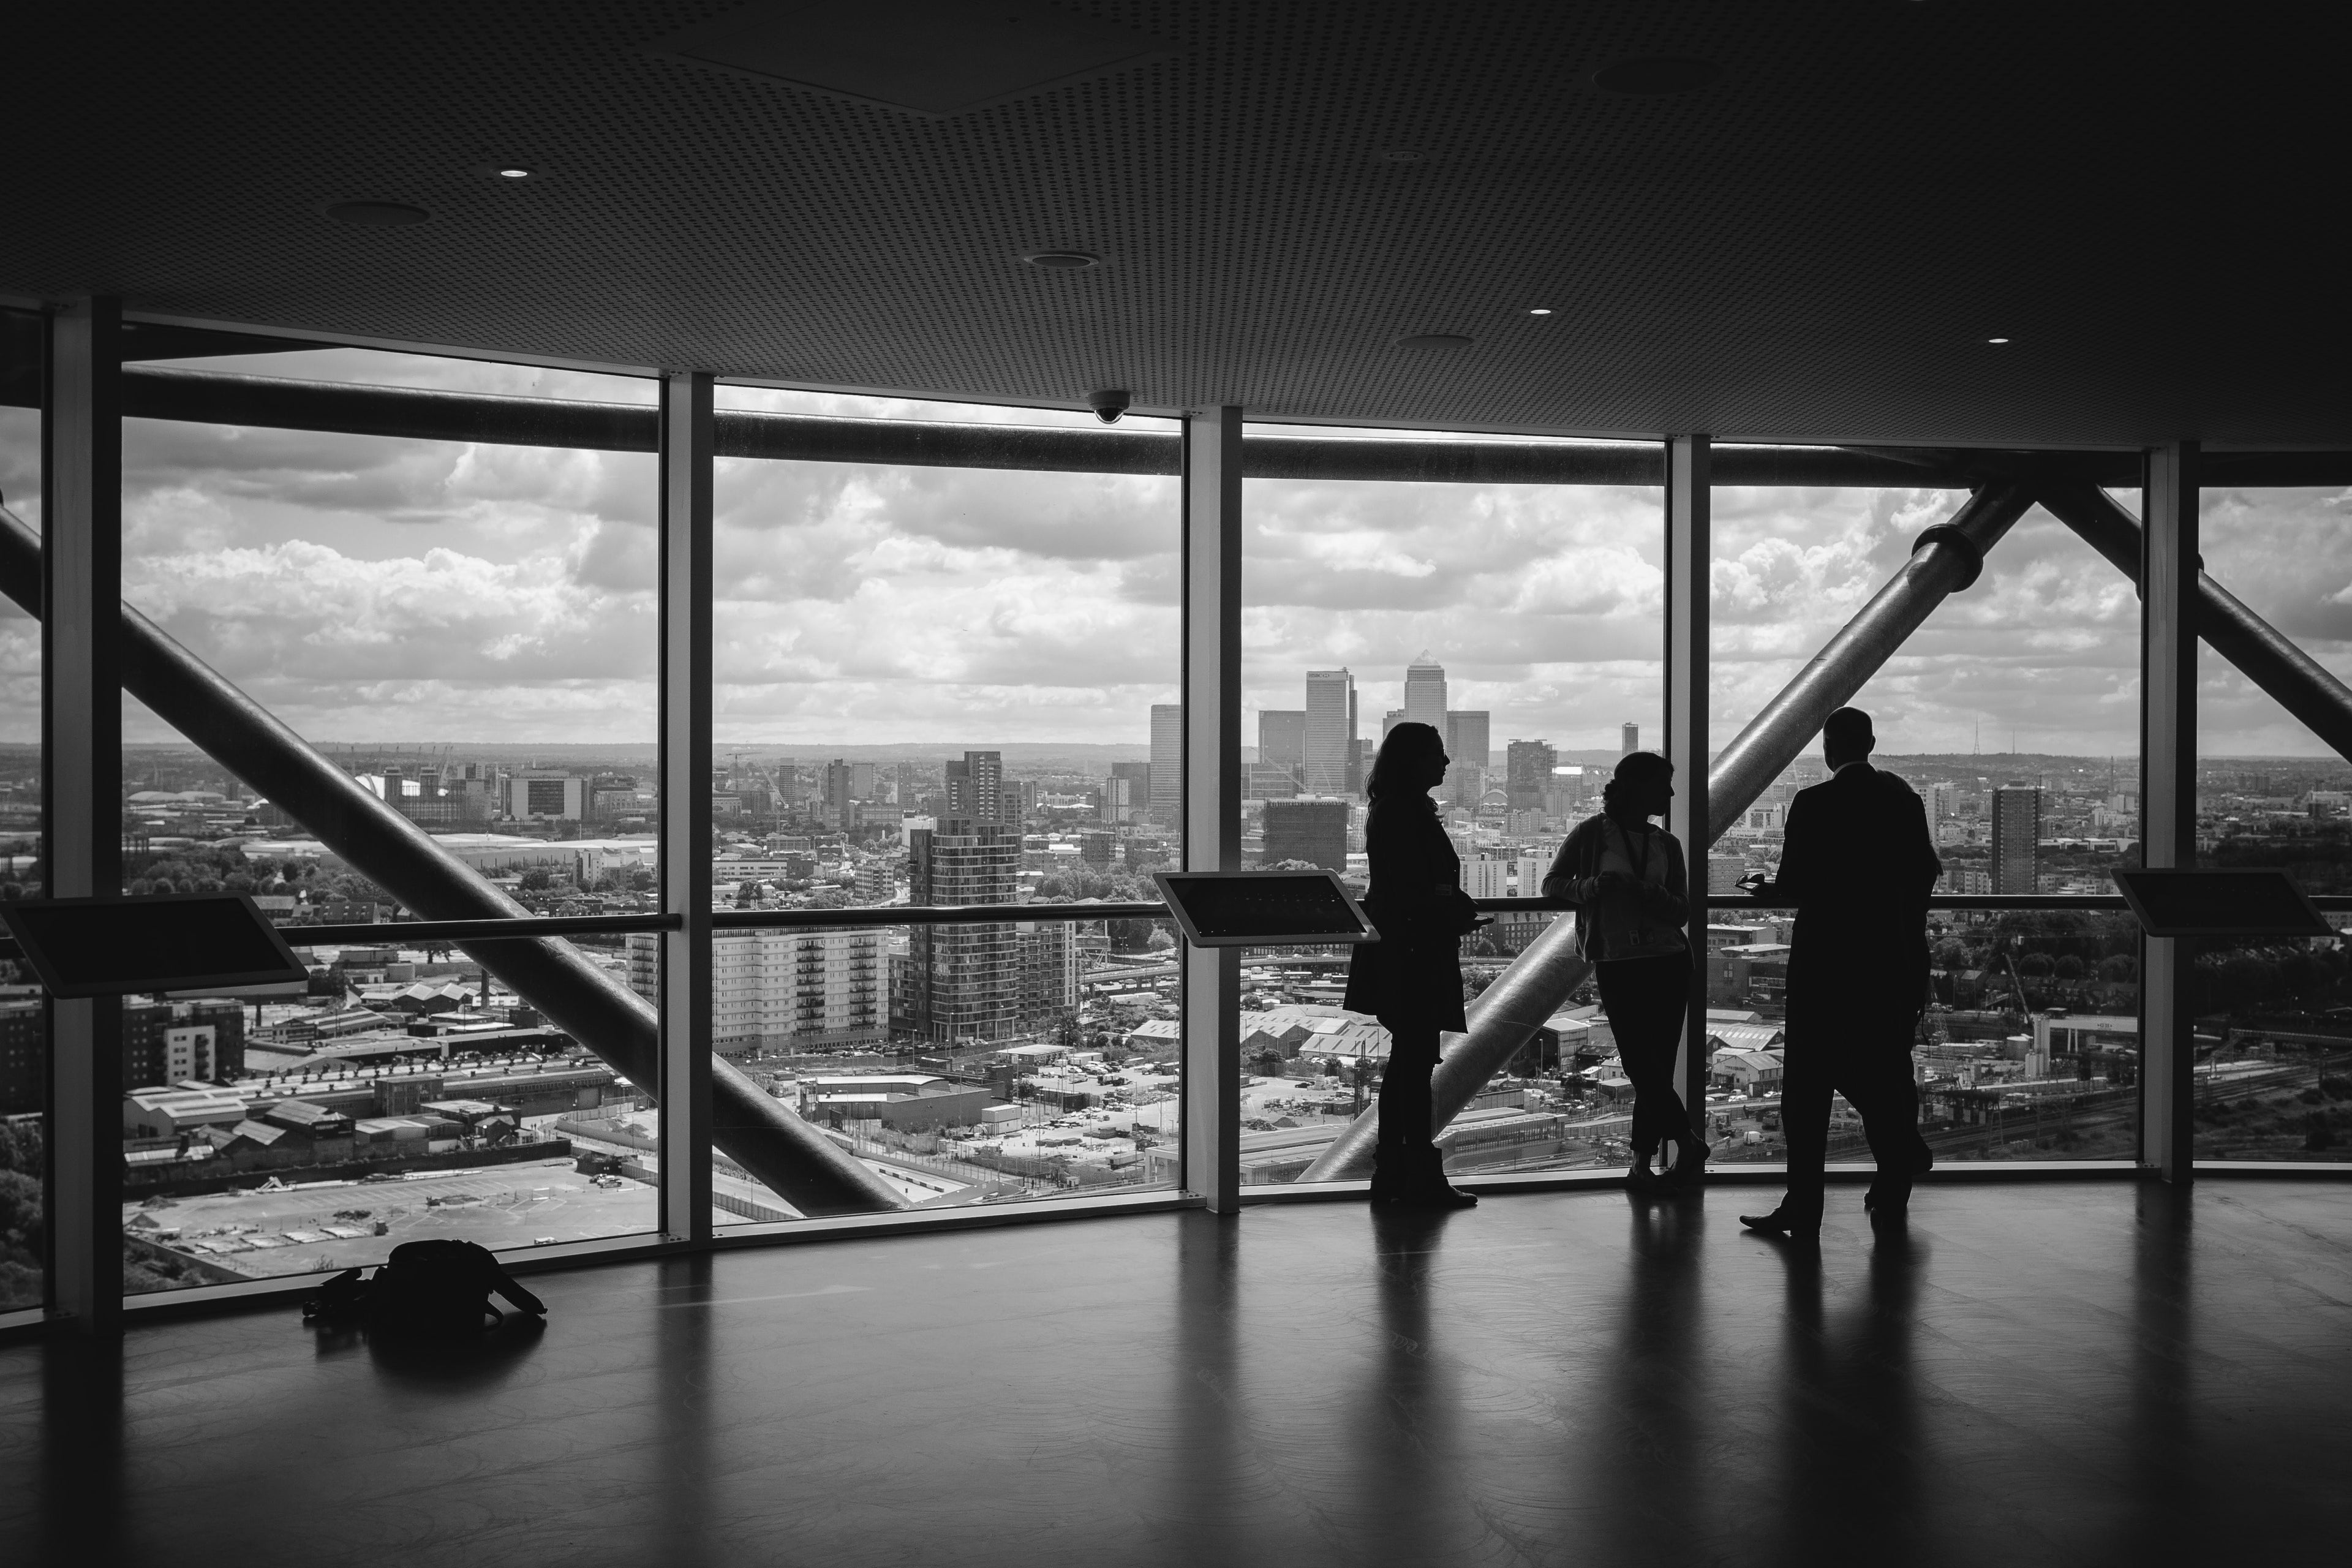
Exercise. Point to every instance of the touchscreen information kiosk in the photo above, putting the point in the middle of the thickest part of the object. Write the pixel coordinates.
(2221, 903)
(173, 942)
(1262, 909)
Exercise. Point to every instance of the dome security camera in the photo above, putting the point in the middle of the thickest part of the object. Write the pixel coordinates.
(1108, 406)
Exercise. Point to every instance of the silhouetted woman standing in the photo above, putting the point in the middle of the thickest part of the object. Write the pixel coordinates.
(1632, 895)
(1411, 980)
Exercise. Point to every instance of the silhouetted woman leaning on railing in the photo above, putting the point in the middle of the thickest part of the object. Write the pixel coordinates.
(1632, 893)
(1411, 980)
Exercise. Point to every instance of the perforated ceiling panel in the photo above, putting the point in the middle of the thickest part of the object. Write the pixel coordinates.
(1817, 244)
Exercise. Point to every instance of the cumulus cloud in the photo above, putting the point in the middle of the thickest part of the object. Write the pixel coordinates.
(376, 589)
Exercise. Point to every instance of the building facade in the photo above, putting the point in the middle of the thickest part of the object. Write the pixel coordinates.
(1167, 763)
(1282, 738)
(1526, 773)
(975, 790)
(1329, 764)
(1312, 830)
(965, 979)
(781, 989)
(2016, 838)
(1466, 738)
(170, 1042)
(1425, 693)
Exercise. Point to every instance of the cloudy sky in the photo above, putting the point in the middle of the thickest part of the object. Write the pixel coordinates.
(379, 590)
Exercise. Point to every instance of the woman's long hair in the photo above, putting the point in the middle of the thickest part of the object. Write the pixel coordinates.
(1392, 769)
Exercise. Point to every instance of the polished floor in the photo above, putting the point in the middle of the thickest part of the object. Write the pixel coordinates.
(2069, 1373)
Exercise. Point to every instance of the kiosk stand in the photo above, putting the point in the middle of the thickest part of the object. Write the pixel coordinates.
(1262, 909)
(172, 941)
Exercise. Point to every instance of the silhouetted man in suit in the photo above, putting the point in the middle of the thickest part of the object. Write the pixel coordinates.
(1859, 864)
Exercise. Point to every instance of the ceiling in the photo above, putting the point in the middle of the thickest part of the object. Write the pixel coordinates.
(1816, 246)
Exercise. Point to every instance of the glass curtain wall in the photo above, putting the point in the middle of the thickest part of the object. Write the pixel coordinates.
(467, 631)
(2013, 711)
(2273, 1076)
(940, 685)
(1524, 621)
(24, 1016)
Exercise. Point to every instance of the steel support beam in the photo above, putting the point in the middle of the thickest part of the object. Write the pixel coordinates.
(1946, 559)
(76, 578)
(1211, 977)
(229, 398)
(1689, 570)
(686, 967)
(2290, 677)
(2167, 796)
(807, 1169)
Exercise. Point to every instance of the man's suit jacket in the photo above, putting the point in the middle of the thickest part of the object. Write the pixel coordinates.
(1859, 863)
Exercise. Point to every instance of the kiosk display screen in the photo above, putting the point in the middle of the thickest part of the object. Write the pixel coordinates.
(2221, 903)
(176, 941)
(1262, 909)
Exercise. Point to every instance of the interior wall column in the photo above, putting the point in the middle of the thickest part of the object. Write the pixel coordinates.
(82, 762)
(687, 450)
(1689, 547)
(2168, 795)
(1211, 694)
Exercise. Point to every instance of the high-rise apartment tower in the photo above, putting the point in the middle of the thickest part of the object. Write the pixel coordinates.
(1330, 731)
(2016, 838)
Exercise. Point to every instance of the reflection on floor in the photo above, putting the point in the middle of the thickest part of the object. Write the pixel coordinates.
(2077, 1373)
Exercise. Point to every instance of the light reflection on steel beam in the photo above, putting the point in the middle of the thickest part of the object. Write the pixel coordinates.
(1536, 984)
(1946, 560)
(2291, 678)
(803, 1166)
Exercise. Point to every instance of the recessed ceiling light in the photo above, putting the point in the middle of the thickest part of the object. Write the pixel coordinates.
(377, 215)
(1996, 340)
(1657, 76)
(1539, 310)
(1433, 340)
(1062, 260)
(512, 174)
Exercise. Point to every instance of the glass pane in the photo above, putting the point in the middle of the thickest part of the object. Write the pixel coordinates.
(2013, 710)
(1526, 623)
(24, 1017)
(2274, 1018)
(467, 629)
(948, 686)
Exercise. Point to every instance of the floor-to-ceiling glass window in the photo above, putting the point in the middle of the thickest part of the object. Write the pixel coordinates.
(24, 1016)
(460, 619)
(945, 678)
(2274, 1075)
(1526, 622)
(2012, 710)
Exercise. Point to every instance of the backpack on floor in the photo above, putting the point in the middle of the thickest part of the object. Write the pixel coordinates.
(439, 1287)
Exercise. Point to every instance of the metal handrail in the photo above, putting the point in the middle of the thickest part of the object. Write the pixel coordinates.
(934, 915)
(896, 915)
(379, 933)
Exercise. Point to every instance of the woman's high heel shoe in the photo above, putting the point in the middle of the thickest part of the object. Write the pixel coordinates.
(1689, 1168)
